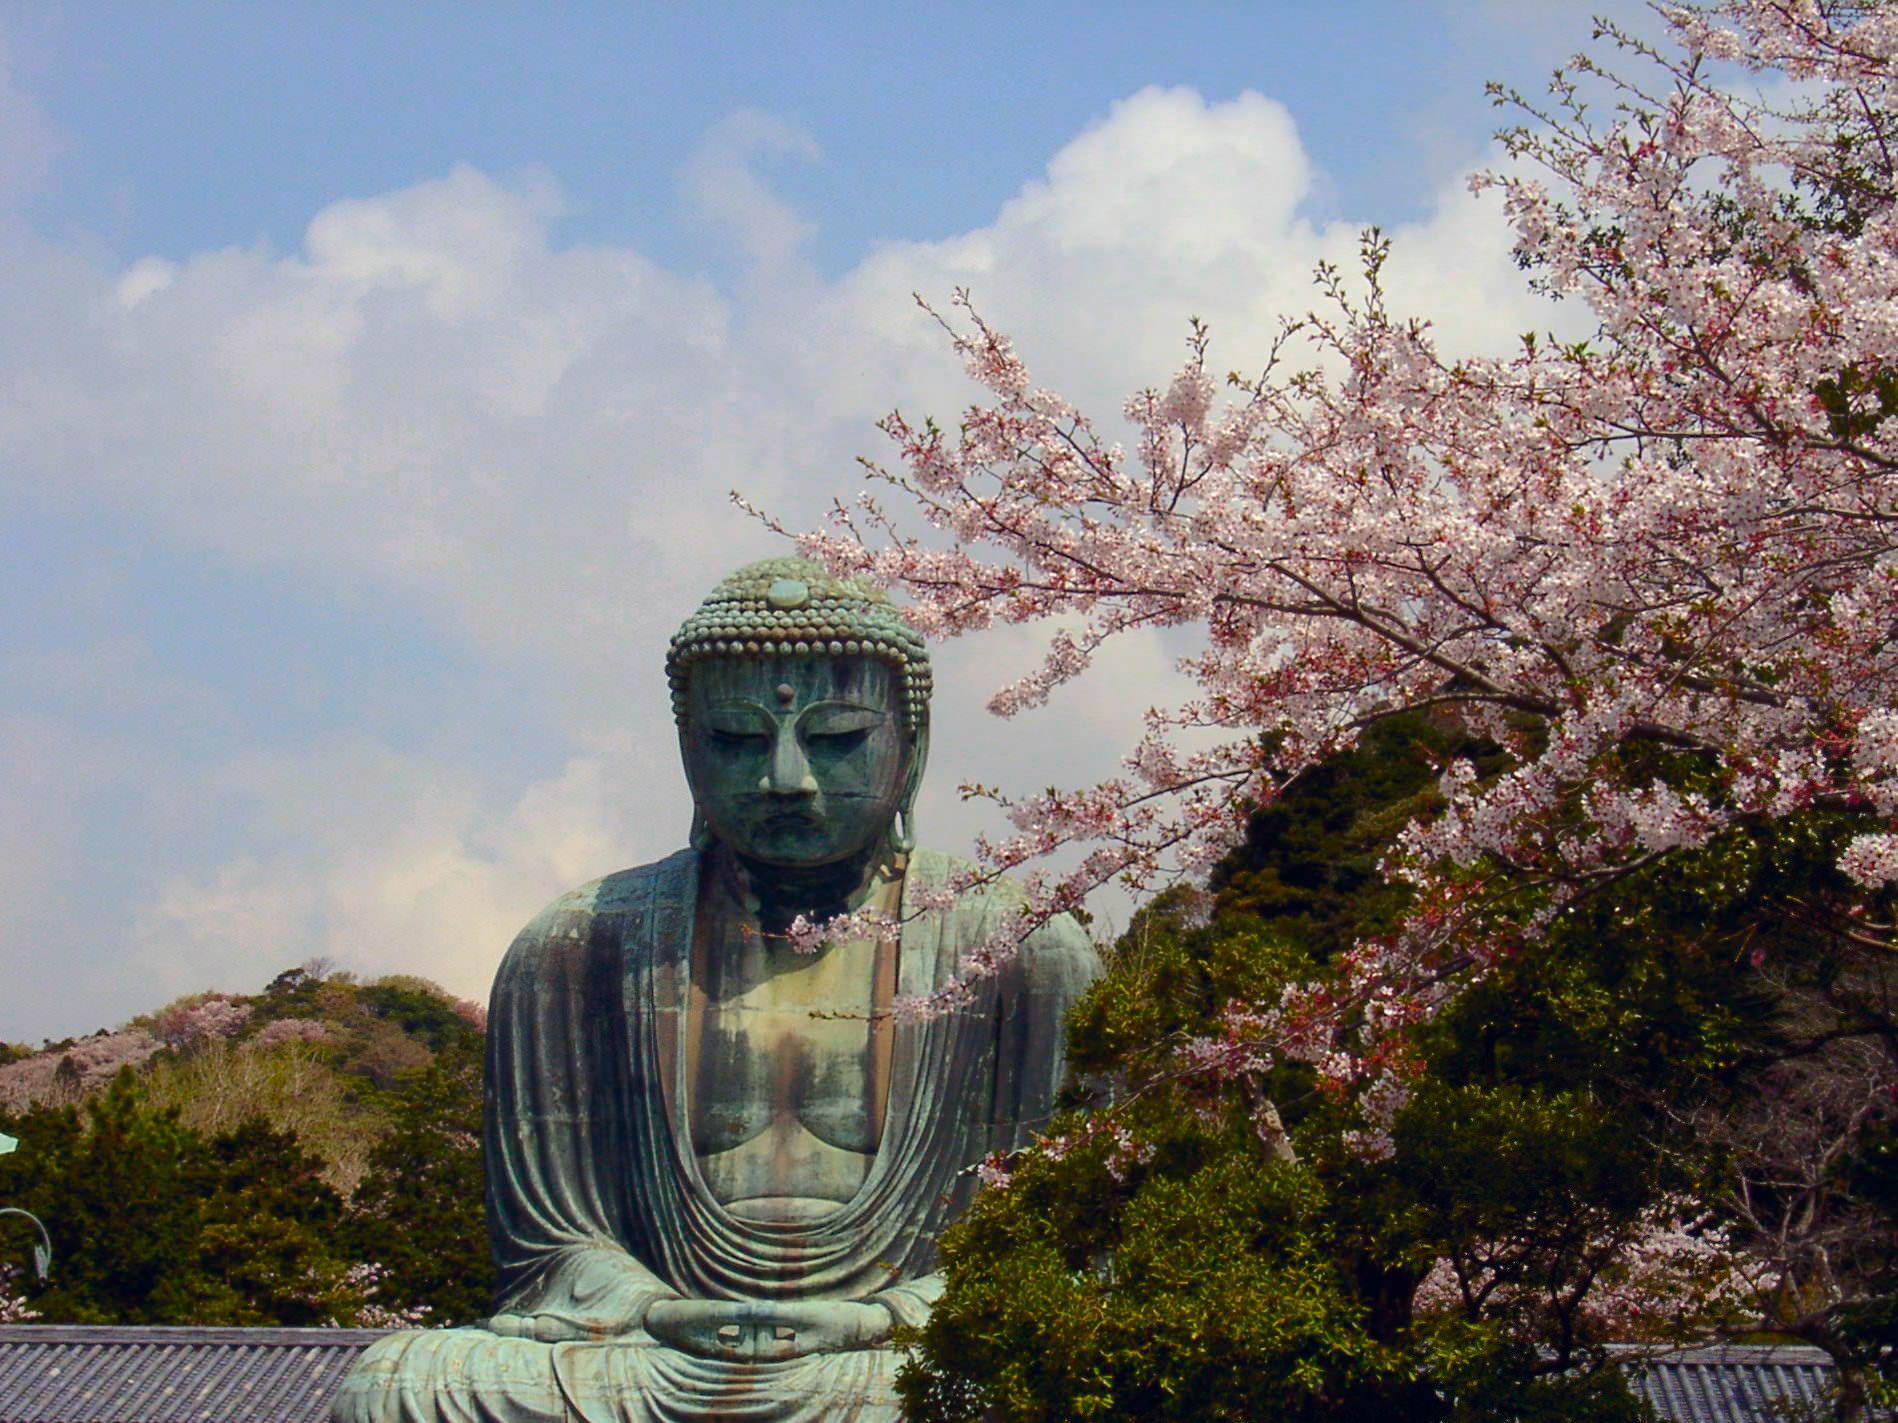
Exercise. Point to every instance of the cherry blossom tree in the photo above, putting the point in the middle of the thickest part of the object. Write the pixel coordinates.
(13, 1307)
(200, 1018)
(1655, 566)
(360, 1285)
(1679, 1272)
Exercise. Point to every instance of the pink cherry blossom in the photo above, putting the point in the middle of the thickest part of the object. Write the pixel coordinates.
(193, 1020)
(1677, 535)
(807, 936)
(13, 1307)
(289, 1030)
(360, 1284)
(1674, 1272)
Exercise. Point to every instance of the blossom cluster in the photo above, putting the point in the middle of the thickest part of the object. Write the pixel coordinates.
(68, 1075)
(13, 1307)
(361, 1283)
(1122, 1150)
(473, 1013)
(279, 1031)
(806, 935)
(190, 1022)
(1670, 1275)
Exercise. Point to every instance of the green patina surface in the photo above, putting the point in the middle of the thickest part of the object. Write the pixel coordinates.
(718, 1166)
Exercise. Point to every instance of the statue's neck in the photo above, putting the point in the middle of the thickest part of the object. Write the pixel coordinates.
(777, 894)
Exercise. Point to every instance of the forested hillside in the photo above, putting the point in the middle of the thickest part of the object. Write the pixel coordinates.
(309, 1154)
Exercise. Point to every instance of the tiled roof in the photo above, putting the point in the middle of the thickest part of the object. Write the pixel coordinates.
(72, 1373)
(1735, 1383)
(63, 1373)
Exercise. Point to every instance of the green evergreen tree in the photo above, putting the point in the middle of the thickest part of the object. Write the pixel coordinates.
(419, 1210)
(152, 1223)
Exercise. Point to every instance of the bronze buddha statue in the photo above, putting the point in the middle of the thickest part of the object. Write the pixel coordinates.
(717, 1166)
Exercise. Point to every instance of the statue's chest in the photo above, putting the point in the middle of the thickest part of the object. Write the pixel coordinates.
(786, 1052)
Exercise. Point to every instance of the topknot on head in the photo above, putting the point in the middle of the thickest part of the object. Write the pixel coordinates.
(793, 607)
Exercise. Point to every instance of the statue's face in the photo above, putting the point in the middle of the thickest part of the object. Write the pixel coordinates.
(795, 761)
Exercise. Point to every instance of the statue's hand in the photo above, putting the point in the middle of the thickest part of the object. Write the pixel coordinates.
(749, 1330)
(599, 1299)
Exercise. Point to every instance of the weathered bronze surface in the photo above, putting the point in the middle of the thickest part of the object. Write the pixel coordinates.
(716, 1166)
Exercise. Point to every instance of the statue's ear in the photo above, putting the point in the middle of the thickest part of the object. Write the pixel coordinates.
(701, 837)
(903, 834)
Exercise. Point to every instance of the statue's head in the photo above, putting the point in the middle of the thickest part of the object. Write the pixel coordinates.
(803, 709)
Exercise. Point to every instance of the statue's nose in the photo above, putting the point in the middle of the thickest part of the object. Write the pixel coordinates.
(790, 773)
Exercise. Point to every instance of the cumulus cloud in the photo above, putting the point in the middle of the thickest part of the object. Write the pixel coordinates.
(1173, 206)
(383, 862)
(434, 402)
(724, 194)
(425, 394)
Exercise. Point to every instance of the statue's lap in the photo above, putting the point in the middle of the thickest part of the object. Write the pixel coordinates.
(476, 1376)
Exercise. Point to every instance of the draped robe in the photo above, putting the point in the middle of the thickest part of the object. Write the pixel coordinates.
(591, 1172)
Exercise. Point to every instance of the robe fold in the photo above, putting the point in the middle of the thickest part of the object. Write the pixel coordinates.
(594, 1191)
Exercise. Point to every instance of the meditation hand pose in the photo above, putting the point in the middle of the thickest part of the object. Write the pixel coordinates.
(717, 1167)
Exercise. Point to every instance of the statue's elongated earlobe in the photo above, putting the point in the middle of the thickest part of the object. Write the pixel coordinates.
(903, 826)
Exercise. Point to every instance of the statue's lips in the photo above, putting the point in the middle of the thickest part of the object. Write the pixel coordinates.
(788, 820)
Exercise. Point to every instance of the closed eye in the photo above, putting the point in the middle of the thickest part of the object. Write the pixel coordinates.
(836, 743)
(739, 742)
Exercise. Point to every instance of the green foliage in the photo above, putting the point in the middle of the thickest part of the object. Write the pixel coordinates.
(1857, 402)
(1204, 1286)
(1170, 1263)
(1644, 1063)
(248, 1179)
(111, 1188)
(1309, 865)
(1525, 1194)
(1199, 1278)
(268, 1230)
(419, 1210)
(153, 1223)
(423, 1010)
(1166, 985)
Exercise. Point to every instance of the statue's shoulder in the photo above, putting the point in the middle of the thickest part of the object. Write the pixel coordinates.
(1059, 949)
(571, 918)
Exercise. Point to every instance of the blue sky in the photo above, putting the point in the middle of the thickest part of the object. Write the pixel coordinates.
(197, 125)
(373, 378)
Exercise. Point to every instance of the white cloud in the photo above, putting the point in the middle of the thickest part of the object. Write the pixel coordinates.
(1173, 207)
(724, 194)
(383, 862)
(144, 279)
(432, 399)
